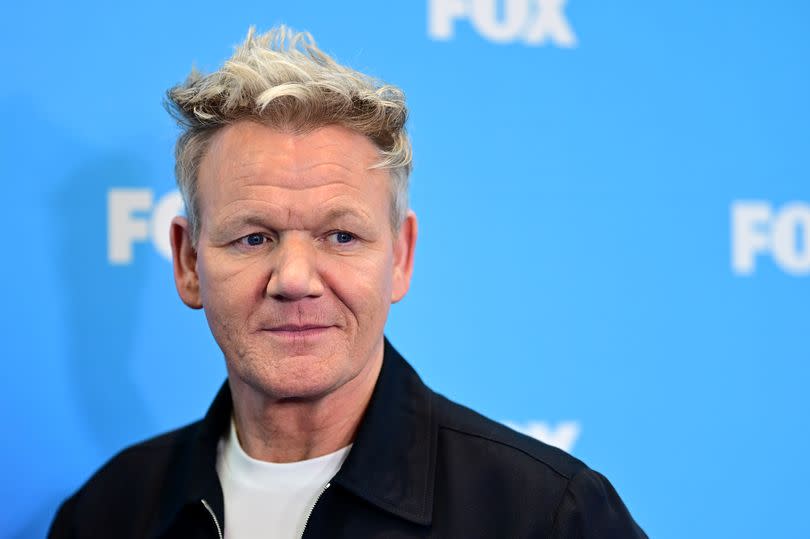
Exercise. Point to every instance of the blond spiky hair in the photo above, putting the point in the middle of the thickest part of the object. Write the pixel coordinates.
(281, 79)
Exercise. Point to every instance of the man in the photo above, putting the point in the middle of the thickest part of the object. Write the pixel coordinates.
(297, 240)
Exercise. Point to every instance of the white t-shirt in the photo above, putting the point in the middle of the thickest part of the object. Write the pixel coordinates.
(270, 499)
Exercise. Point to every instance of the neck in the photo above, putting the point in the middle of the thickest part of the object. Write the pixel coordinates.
(293, 429)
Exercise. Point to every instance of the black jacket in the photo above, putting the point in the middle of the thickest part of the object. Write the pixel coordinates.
(420, 466)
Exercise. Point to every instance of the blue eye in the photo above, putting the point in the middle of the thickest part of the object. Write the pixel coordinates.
(254, 239)
(343, 237)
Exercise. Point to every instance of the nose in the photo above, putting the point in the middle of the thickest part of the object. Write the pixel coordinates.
(294, 274)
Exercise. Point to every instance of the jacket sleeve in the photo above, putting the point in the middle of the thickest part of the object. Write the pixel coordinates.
(62, 525)
(591, 509)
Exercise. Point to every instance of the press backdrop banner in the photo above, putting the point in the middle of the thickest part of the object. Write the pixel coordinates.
(614, 250)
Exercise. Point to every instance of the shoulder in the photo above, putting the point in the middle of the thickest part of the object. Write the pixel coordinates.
(591, 507)
(149, 458)
(542, 484)
(134, 477)
(468, 427)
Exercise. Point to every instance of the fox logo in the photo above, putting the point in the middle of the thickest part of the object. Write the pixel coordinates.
(533, 21)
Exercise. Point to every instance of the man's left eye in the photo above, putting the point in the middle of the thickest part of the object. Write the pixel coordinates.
(253, 240)
(343, 237)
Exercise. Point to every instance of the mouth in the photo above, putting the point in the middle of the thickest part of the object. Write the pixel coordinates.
(296, 331)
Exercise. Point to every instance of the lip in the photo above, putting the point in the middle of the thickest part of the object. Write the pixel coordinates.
(293, 331)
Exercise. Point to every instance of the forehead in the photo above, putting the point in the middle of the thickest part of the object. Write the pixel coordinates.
(248, 164)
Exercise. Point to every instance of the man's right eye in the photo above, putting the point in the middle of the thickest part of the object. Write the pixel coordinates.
(253, 240)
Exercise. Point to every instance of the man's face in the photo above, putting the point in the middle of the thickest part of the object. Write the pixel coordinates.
(296, 264)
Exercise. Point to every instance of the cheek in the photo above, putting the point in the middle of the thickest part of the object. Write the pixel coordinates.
(227, 287)
(363, 285)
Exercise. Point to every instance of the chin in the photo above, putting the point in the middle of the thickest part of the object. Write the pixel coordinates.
(297, 377)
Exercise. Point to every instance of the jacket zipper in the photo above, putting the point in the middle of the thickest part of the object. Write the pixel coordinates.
(211, 512)
(306, 520)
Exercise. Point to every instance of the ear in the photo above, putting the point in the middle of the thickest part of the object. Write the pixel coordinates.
(184, 259)
(404, 245)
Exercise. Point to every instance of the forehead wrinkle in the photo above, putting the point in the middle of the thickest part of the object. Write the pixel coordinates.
(265, 213)
(249, 160)
(259, 166)
(359, 171)
(287, 204)
(229, 214)
(339, 208)
(254, 199)
(358, 149)
(251, 204)
(291, 169)
(290, 156)
(313, 176)
(295, 188)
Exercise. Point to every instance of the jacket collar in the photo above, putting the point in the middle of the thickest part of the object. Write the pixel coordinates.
(391, 464)
(192, 475)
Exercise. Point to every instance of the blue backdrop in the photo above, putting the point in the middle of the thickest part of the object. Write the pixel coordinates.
(614, 250)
